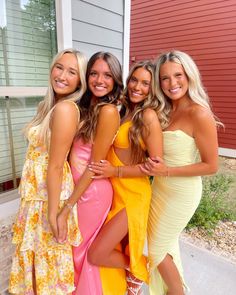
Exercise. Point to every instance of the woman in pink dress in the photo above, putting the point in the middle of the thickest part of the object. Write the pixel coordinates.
(99, 124)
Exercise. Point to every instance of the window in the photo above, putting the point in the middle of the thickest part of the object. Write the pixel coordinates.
(27, 45)
(27, 42)
(14, 114)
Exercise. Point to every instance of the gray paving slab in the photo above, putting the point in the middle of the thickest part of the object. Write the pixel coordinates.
(206, 273)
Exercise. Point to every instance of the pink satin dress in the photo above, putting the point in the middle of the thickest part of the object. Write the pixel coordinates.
(93, 208)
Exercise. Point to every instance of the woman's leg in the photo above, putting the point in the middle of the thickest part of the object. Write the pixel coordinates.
(102, 252)
(171, 276)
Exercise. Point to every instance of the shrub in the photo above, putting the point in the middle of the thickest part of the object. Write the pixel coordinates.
(213, 206)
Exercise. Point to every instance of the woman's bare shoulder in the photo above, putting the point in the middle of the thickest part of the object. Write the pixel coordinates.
(109, 109)
(149, 115)
(201, 116)
(65, 107)
(198, 112)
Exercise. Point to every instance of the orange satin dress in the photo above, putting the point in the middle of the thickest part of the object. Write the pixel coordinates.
(133, 194)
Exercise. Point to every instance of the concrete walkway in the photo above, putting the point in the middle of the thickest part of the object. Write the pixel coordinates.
(206, 273)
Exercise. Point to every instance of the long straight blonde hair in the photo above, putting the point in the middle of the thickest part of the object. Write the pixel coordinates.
(46, 107)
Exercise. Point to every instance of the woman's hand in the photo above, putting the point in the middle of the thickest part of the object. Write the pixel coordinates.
(154, 167)
(102, 169)
(62, 225)
(53, 224)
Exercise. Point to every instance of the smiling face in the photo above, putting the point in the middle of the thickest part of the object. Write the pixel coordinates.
(139, 85)
(173, 80)
(65, 76)
(100, 81)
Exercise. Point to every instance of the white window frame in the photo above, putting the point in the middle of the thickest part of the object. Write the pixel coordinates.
(63, 24)
(126, 40)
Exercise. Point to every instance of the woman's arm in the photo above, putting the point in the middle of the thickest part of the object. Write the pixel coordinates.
(108, 124)
(205, 135)
(152, 137)
(104, 169)
(63, 128)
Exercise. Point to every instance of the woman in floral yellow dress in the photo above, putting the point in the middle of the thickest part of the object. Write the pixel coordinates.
(41, 265)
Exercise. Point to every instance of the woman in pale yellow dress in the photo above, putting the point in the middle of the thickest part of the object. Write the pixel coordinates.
(41, 265)
(190, 150)
(139, 133)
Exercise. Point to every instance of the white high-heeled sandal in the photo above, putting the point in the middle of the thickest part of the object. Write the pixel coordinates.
(136, 284)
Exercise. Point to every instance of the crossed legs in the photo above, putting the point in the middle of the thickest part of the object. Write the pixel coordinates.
(102, 252)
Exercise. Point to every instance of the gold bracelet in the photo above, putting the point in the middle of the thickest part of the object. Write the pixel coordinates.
(119, 171)
(68, 205)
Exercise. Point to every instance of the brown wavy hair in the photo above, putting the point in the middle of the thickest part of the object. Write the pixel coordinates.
(138, 126)
(89, 113)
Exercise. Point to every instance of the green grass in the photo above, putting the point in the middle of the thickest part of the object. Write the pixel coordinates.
(214, 205)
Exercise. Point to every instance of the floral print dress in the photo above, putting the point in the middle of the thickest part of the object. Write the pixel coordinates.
(37, 255)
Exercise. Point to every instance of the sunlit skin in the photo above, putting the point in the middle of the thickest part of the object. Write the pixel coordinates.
(65, 76)
(174, 82)
(100, 81)
(139, 85)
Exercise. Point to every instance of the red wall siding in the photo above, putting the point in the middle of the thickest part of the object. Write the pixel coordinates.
(206, 29)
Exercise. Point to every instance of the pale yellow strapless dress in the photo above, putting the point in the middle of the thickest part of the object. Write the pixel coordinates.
(174, 201)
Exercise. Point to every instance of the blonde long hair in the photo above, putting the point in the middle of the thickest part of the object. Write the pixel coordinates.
(46, 107)
(196, 90)
(151, 101)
